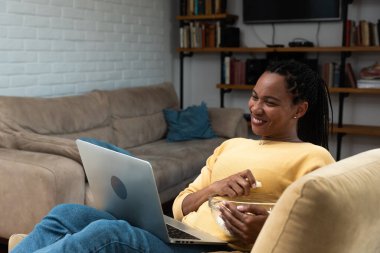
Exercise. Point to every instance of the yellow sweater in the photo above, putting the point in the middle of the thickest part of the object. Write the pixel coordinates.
(275, 164)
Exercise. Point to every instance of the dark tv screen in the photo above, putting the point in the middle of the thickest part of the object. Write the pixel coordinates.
(288, 11)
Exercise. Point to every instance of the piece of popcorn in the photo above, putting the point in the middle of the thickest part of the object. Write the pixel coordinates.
(258, 184)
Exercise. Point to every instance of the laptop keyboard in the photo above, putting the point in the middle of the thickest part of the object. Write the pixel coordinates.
(175, 233)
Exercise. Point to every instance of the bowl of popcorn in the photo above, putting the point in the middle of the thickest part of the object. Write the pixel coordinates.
(266, 201)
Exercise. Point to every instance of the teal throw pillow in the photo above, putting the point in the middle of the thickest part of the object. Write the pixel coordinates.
(106, 145)
(190, 123)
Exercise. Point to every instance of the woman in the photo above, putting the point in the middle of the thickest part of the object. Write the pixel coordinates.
(289, 110)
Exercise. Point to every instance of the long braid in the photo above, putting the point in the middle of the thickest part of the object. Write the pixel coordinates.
(306, 85)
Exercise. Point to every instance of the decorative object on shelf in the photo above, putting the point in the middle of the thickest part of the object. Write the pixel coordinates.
(370, 72)
(300, 42)
(230, 37)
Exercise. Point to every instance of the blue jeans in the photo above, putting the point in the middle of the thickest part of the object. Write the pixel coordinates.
(79, 228)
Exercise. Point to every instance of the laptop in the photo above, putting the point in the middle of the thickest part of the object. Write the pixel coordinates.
(125, 187)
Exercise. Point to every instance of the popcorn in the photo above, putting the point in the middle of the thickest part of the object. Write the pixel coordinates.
(258, 184)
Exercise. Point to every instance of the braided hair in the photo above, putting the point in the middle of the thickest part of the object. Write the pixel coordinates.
(306, 85)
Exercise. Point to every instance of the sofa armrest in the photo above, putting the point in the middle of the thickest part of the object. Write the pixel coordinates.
(31, 183)
(228, 122)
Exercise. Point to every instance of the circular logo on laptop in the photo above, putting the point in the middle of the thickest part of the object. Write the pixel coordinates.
(118, 187)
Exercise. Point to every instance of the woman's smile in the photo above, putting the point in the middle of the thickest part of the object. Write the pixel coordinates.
(257, 122)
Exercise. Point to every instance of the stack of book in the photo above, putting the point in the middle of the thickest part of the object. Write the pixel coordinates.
(331, 75)
(234, 71)
(362, 33)
(200, 35)
(369, 83)
(202, 7)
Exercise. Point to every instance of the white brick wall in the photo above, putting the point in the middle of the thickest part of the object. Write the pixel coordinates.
(67, 47)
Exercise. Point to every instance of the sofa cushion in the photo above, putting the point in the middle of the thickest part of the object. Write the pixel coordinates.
(106, 145)
(175, 162)
(71, 116)
(190, 123)
(228, 129)
(137, 113)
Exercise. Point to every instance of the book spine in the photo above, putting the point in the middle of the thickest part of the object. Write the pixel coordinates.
(183, 7)
(351, 79)
(181, 37)
(347, 41)
(378, 30)
(227, 61)
(218, 34)
(364, 33)
(217, 4)
(201, 7)
(208, 7)
(223, 6)
(190, 7)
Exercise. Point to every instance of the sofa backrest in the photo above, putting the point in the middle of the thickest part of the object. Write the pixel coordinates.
(137, 113)
(333, 209)
(71, 116)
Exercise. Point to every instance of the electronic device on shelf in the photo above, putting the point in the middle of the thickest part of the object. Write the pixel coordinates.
(301, 43)
(280, 11)
(275, 45)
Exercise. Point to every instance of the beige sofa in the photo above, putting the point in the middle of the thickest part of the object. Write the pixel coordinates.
(334, 209)
(39, 162)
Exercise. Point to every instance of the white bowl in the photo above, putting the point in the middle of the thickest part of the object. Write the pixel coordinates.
(215, 202)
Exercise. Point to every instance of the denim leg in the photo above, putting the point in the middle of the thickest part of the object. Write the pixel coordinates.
(79, 228)
(103, 236)
(62, 220)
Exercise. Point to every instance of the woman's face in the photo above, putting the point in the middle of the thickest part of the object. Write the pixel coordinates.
(273, 115)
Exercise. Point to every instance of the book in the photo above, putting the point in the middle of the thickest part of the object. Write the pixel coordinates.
(218, 34)
(201, 7)
(196, 5)
(347, 39)
(217, 4)
(190, 7)
(378, 30)
(364, 28)
(210, 35)
(350, 76)
(227, 63)
(330, 74)
(375, 35)
(183, 7)
(368, 83)
(208, 7)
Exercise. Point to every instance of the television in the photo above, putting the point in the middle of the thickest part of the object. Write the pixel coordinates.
(291, 11)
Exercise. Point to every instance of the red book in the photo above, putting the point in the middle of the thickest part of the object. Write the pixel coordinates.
(351, 79)
(347, 41)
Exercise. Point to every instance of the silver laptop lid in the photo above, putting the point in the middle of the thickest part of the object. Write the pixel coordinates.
(124, 186)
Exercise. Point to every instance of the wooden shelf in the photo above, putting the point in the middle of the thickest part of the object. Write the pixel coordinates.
(357, 130)
(222, 16)
(355, 90)
(234, 86)
(280, 49)
(332, 90)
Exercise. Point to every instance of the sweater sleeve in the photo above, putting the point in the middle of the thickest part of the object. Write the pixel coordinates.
(202, 181)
